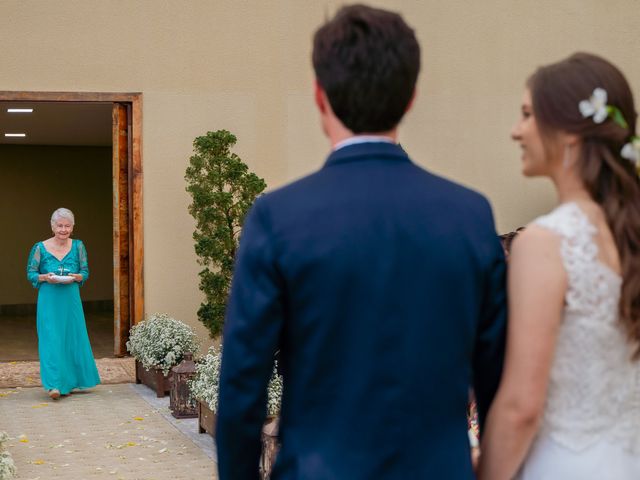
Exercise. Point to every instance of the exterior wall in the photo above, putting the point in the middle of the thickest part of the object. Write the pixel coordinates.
(245, 67)
(37, 180)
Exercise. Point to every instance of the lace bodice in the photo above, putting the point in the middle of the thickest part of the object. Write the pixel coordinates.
(41, 261)
(594, 387)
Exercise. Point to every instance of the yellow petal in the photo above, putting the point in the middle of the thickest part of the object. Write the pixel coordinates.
(38, 462)
(139, 419)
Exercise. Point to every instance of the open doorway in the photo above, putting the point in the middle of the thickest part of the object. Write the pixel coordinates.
(80, 151)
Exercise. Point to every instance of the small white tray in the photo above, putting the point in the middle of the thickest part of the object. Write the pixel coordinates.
(62, 278)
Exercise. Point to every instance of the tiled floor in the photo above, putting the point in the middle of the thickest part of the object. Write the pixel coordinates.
(19, 340)
(108, 432)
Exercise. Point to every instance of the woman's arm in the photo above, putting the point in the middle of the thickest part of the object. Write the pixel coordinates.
(33, 267)
(537, 283)
(83, 274)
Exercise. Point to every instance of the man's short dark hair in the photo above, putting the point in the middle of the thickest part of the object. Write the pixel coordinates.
(367, 61)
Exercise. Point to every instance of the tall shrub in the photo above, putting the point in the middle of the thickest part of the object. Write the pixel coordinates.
(222, 190)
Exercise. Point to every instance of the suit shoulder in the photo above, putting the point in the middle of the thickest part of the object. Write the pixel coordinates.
(460, 196)
(286, 192)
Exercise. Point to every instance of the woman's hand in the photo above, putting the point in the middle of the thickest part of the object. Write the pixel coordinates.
(46, 278)
(77, 277)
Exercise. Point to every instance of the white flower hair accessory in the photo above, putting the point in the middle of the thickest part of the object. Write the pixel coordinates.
(631, 151)
(596, 106)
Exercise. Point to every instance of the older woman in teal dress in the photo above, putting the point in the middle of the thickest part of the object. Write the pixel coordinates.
(58, 267)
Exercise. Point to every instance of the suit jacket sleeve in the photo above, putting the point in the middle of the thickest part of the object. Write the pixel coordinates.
(491, 334)
(252, 330)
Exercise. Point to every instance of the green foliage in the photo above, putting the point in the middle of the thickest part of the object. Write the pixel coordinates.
(222, 191)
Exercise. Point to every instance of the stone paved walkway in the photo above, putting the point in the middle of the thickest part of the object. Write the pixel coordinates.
(109, 432)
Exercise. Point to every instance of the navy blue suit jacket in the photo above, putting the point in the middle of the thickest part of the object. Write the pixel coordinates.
(382, 285)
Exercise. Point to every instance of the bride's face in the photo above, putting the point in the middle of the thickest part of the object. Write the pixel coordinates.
(526, 133)
(62, 228)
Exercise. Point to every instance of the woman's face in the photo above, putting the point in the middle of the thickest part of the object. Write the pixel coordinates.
(525, 132)
(62, 228)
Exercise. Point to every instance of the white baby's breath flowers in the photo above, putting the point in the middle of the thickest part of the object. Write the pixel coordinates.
(274, 392)
(595, 106)
(205, 385)
(161, 342)
(7, 466)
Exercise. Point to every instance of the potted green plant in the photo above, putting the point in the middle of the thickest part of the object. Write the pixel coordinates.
(7, 466)
(158, 343)
(205, 387)
(222, 190)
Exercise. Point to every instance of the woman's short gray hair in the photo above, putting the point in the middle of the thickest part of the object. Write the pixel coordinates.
(62, 213)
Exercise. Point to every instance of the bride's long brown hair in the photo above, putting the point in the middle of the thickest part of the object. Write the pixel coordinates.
(611, 180)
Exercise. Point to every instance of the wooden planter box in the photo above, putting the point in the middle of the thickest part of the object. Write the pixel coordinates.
(269, 447)
(154, 379)
(206, 419)
(207, 424)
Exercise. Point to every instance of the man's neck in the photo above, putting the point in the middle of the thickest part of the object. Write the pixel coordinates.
(335, 130)
(357, 139)
(346, 136)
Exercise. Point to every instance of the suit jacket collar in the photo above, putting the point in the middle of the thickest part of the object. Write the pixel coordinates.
(365, 151)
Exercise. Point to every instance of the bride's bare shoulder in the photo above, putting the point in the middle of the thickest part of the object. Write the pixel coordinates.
(536, 245)
(535, 235)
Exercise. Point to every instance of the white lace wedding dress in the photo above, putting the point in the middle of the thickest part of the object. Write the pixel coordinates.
(591, 424)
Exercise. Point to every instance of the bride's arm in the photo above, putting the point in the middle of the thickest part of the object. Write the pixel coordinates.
(537, 284)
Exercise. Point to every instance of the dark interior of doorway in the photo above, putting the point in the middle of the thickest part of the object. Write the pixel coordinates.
(64, 159)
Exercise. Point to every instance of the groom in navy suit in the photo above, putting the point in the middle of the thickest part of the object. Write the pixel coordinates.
(381, 285)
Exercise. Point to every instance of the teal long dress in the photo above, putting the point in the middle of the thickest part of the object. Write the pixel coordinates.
(66, 359)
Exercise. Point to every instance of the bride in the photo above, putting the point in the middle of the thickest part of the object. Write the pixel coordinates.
(568, 406)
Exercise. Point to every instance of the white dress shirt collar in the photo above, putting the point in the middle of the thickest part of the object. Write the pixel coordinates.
(356, 139)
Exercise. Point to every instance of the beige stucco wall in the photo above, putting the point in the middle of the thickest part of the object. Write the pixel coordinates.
(244, 66)
(35, 181)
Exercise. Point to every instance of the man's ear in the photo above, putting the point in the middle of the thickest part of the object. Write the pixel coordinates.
(320, 98)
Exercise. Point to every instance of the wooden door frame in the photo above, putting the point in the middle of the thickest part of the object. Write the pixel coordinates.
(135, 230)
